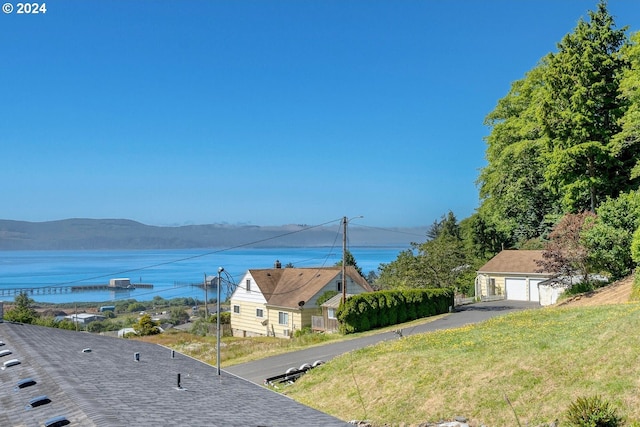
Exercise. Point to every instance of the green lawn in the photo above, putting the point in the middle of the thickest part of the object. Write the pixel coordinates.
(540, 360)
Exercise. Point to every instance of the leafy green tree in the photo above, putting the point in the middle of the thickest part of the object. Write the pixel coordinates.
(145, 326)
(514, 197)
(372, 277)
(581, 108)
(135, 307)
(442, 261)
(350, 260)
(402, 273)
(98, 326)
(609, 240)
(447, 226)
(437, 263)
(481, 238)
(22, 310)
(178, 315)
(626, 144)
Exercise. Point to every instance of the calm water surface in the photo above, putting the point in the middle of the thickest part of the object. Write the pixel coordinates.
(49, 274)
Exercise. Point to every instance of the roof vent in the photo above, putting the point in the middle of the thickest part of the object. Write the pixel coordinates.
(5, 353)
(86, 350)
(39, 401)
(1, 343)
(57, 422)
(27, 382)
(11, 362)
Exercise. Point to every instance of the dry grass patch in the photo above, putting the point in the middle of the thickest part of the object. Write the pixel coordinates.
(541, 360)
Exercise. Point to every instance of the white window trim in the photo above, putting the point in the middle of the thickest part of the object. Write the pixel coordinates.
(285, 315)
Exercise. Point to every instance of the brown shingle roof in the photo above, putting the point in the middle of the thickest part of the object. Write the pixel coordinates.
(514, 261)
(285, 287)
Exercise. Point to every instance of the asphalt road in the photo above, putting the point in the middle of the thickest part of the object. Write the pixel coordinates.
(275, 365)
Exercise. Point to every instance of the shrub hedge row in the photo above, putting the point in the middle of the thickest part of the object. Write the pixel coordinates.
(373, 310)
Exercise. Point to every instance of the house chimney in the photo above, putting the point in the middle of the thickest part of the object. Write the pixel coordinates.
(277, 264)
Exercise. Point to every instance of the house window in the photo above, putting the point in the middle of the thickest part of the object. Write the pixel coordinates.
(492, 287)
(339, 286)
(236, 309)
(283, 318)
(259, 312)
(331, 313)
(248, 287)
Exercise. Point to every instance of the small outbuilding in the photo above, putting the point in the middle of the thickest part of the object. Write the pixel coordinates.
(513, 275)
(328, 321)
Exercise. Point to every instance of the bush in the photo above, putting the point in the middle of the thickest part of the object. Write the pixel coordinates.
(136, 306)
(301, 332)
(201, 327)
(592, 411)
(367, 311)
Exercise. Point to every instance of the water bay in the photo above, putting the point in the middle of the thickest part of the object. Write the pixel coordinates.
(48, 275)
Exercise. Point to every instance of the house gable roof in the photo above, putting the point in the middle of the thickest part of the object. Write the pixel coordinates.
(514, 261)
(286, 287)
(105, 386)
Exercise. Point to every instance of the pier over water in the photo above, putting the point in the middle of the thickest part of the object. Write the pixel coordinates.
(65, 289)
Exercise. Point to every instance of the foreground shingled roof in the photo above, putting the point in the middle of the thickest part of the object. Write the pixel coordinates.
(106, 386)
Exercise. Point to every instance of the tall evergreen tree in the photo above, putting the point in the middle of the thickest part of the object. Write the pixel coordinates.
(626, 144)
(580, 112)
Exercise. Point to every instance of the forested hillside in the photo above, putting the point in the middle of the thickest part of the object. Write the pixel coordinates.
(87, 234)
(562, 167)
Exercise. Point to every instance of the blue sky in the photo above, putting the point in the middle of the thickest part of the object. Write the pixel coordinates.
(262, 112)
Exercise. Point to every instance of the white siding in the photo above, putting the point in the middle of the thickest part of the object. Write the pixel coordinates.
(534, 292)
(549, 294)
(242, 295)
(246, 323)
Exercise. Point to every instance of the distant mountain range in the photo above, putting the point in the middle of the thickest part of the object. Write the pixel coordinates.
(88, 234)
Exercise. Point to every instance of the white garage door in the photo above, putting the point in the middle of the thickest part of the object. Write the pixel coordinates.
(516, 289)
(534, 293)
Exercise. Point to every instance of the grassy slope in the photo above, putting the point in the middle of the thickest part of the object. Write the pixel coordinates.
(541, 360)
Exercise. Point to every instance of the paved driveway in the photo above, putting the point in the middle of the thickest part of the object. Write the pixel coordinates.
(271, 366)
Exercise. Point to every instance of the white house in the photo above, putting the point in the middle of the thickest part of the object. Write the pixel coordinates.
(278, 301)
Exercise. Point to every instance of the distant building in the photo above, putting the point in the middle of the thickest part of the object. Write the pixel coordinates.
(84, 318)
(120, 283)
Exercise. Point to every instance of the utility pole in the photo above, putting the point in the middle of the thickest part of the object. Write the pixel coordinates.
(344, 256)
(206, 298)
(220, 270)
(344, 259)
